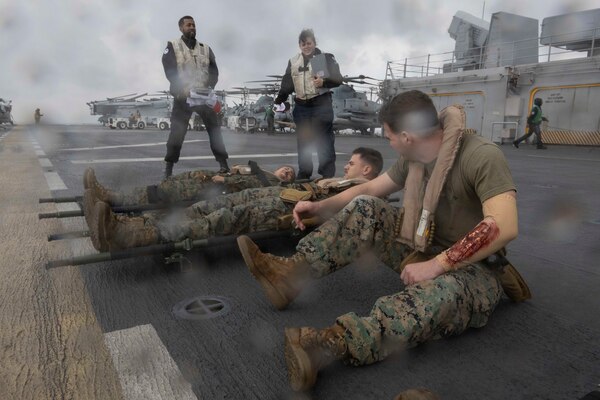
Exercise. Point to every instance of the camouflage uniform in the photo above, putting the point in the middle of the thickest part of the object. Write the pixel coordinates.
(445, 306)
(231, 200)
(246, 196)
(251, 210)
(193, 185)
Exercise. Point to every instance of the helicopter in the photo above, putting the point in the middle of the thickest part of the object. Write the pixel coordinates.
(6, 112)
(353, 110)
(250, 116)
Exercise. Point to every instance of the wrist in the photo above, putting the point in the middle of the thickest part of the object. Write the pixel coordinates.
(443, 261)
(318, 206)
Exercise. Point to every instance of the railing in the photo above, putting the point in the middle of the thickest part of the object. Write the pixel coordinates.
(517, 52)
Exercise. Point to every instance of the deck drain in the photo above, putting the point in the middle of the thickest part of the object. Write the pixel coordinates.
(545, 185)
(595, 221)
(201, 307)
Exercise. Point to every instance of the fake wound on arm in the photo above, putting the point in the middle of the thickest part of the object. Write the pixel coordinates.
(498, 227)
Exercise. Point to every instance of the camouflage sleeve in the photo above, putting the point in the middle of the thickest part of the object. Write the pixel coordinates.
(237, 183)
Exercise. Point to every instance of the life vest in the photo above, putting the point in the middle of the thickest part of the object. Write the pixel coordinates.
(421, 197)
(192, 64)
(303, 79)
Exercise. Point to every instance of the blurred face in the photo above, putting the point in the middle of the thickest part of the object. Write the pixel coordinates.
(307, 47)
(413, 147)
(285, 174)
(356, 168)
(188, 29)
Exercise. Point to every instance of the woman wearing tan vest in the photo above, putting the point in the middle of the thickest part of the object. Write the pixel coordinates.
(313, 111)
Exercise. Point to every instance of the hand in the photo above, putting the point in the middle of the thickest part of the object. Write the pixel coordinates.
(304, 209)
(218, 179)
(421, 271)
(317, 81)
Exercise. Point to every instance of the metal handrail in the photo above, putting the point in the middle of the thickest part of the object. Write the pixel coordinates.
(434, 64)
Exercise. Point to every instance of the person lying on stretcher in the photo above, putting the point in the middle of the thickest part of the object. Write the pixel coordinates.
(251, 210)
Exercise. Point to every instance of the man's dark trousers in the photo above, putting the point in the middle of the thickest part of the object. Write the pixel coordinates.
(180, 117)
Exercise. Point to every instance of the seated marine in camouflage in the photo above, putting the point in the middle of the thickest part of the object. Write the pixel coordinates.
(447, 243)
(192, 185)
(251, 210)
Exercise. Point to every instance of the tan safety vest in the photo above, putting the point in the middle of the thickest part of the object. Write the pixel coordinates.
(422, 196)
(340, 183)
(192, 64)
(303, 80)
(324, 187)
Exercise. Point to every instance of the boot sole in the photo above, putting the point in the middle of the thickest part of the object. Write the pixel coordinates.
(273, 294)
(98, 227)
(88, 203)
(299, 366)
(88, 178)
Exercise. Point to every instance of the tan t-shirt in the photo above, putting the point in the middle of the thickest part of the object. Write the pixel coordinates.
(479, 173)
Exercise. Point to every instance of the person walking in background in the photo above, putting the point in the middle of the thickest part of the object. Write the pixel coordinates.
(534, 121)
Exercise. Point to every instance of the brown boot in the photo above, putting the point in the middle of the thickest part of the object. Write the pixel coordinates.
(89, 177)
(88, 205)
(111, 232)
(308, 350)
(96, 220)
(100, 192)
(281, 278)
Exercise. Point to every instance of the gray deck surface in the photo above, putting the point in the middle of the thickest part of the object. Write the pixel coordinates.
(546, 348)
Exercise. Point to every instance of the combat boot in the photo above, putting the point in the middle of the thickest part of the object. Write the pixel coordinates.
(307, 351)
(89, 176)
(100, 192)
(282, 278)
(112, 232)
(88, 205)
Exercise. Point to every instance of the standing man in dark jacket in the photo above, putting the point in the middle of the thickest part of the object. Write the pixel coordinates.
(190, 66)
(313, 111)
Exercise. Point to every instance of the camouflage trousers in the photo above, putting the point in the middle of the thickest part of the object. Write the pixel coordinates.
(445, 306)
(251, 210)
(187, 186)
(244, 197)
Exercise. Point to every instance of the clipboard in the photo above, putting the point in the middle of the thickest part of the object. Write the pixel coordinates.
(319, 66)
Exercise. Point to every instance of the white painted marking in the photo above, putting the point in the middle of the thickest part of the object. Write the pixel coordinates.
(45, 163)
(54, 181)
(128, 145)
(243, 156)
(566, 158)
(40, 153)
(146, 369)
